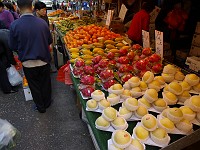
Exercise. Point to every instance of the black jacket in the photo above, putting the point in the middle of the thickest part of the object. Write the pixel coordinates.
(6, 55)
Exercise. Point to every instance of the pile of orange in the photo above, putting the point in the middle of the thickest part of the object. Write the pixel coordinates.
(56, 12)
(87, 35)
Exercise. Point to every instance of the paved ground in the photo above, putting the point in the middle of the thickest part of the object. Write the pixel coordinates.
(60, 128)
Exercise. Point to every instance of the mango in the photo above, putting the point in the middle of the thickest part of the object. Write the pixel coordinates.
(109, 42)
(95, 50)
(86, 57)
(86, 46)
(110, 46)
(74, 55)
(73, 50)
(86, 51)
(118, 39)
(98, 45)
(119, 45)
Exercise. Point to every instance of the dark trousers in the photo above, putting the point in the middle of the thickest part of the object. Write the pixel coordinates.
(4, 82)
(39, 82)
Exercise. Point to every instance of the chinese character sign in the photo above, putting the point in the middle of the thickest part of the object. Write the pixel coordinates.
(145, 39)
(159, 42)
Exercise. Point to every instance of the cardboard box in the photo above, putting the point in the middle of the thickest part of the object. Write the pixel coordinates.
(194, 63)
(154, 14)
(197, 28)
(196, 40)
(27, 94)
(194, 51)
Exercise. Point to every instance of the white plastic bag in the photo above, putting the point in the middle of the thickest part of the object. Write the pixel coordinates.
(8, 134)
(13, 76)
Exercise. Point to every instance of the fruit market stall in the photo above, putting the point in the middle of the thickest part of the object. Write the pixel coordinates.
(102, 137)
(124, 84)
(130, 97)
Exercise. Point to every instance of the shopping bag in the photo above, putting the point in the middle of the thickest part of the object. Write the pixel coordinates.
(9, 135)
(67, 71)
(13, 76)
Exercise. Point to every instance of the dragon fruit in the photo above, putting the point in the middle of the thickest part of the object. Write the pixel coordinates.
(79, 63)
(87, 91)
(109, 83)
(103, 63)
(78, 71)
(88, 70)
(126, 77)
(87, 80)
(123, 60)
(106, 75)
(125, 68)
(96, 59)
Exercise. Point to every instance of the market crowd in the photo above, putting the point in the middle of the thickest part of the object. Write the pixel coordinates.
(25, 31)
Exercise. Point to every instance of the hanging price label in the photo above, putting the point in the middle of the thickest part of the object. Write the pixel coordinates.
(122, 12)
(159, 43)
(109, 17)
(145, 39)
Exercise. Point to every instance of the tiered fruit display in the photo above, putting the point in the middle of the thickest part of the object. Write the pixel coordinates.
(56, 12)
(87, 35)
(124, 61)
(70, 23)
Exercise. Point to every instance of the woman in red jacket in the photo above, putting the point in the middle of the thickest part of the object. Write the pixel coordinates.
(140, 22)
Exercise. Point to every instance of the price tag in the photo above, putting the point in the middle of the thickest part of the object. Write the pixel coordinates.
(159, 43)
(109, 17)
(145, 39)
(122, 12)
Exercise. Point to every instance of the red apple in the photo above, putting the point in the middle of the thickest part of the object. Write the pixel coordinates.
(131, 55)
(141, 65)
(110, 55)
(154, 58)
(123, 60)
(123, 52)
(157, 68)
(147, 51)
(136, 47)
(137, 57)
(142, 56)
(125, 68)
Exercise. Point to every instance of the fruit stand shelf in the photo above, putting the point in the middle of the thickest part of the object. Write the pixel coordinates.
(101, 137)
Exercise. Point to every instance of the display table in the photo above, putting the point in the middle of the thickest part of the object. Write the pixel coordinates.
(101, 137)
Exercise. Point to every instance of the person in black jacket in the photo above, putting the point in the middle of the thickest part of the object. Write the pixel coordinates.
(31, 36)
(6, 59)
